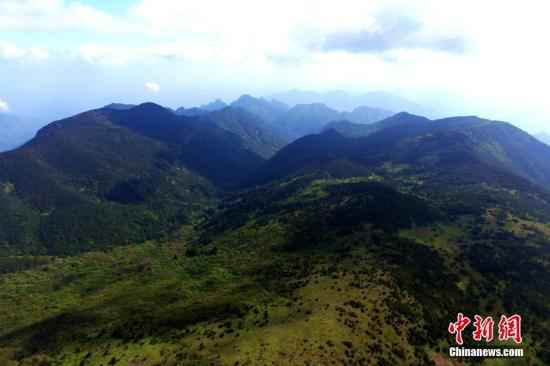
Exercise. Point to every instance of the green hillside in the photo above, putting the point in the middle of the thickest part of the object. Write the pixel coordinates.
(140, 237)
(114, 176)
(418, 143)
(312, 270)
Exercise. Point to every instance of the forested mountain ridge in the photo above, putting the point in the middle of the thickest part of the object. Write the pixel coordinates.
(137, 171)
(420, 142)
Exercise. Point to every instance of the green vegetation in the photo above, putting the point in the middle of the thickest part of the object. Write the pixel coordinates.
(310, 271)
(121, 243)
(113, 177)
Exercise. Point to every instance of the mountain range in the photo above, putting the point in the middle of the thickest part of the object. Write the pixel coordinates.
(112, 158)
(203, 109)
(289, 122)
(422, 143)
(306, 119)
(303, 119)
(344, 101)
(262, 233)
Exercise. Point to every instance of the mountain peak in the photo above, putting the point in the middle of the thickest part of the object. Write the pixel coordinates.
(149, 110)
(269, 111)
(214, 106)
(149, 106)
(119, 106)
(408, 115)
(248, 98)
(342, 101)
(403, 118)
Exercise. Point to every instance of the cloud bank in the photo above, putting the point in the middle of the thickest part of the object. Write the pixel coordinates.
(10, 51)
(392, 32)
(467, 56)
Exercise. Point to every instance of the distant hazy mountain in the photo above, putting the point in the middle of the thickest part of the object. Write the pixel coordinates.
(305, 119)
(214, 106)
(258, 135)
(344, 101)
(15, 130)
(269, 110)
(190, 112)
(350, 129)
(544, 137)
(366, 115)
(288, 123)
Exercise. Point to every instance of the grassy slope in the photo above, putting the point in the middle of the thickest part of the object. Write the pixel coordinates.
(263, 284)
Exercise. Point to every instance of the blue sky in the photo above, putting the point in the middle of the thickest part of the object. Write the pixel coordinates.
(58, 57)
(115, 7)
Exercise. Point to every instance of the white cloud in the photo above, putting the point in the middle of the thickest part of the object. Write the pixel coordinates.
(245, 44)
(252, 19)
(4, 107)
(10, 51)
(230, 33)
(244, 30)
(152, 87)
